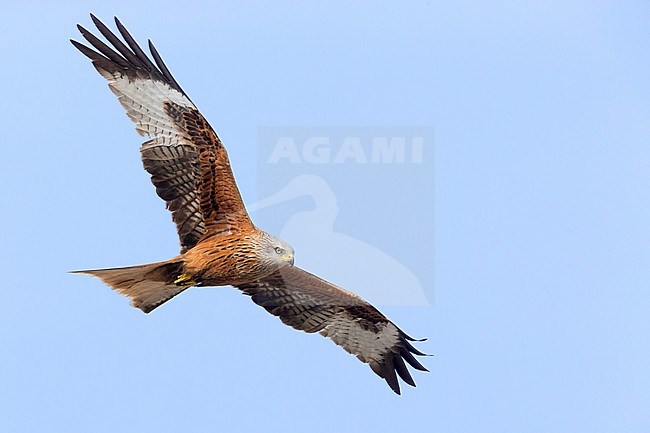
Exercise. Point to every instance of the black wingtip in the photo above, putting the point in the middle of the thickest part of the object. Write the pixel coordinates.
(414, 362)
(115, 55)
(388, 370)
(141, 55)
(401, 369)
(85, 50)
(412, 349)
(163, 68)
(120, 26)
(408, 337)
(394, 363)
(84, 31)
(98, 23)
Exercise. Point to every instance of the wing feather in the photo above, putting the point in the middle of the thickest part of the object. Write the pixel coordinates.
(102, 47)
(187, 162)
(308, 303)
(163, 68)
(139, 54)
(131, 58)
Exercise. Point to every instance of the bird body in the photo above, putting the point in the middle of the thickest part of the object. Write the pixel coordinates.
(220, 246)
(218, 260)
(231, 259)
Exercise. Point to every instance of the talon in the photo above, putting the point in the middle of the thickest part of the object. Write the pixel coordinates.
(184, 280)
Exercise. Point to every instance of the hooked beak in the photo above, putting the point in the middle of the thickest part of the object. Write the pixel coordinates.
(289, 258)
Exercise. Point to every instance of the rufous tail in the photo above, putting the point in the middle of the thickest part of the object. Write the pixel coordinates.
(148, 286)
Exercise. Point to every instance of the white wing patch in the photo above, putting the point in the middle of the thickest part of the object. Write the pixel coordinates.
(367, 345)
(308, 303)
(146, 91)
(143, 100)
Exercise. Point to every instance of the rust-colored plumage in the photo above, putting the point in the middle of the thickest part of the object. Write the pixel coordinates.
(220, 245)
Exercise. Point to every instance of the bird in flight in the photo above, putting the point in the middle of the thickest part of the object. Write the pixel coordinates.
(220, 245)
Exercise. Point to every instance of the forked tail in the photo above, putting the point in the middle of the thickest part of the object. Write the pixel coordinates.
(148, 286)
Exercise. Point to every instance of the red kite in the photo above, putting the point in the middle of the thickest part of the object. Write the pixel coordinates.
(220, 245)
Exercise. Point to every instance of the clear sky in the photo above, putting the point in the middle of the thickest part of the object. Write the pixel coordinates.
(524, 243)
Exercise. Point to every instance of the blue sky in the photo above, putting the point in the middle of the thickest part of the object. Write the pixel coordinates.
(538, 209)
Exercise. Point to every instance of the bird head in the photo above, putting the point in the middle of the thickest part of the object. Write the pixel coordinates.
(276, 251)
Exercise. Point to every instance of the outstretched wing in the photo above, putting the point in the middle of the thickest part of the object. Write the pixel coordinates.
(188, 163)
(311, 304)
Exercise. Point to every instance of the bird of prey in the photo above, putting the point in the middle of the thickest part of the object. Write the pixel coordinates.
(220, 245)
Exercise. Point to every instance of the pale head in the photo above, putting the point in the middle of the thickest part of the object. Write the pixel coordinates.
(274, 251)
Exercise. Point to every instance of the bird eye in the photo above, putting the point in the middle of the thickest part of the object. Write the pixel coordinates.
(279, 250)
